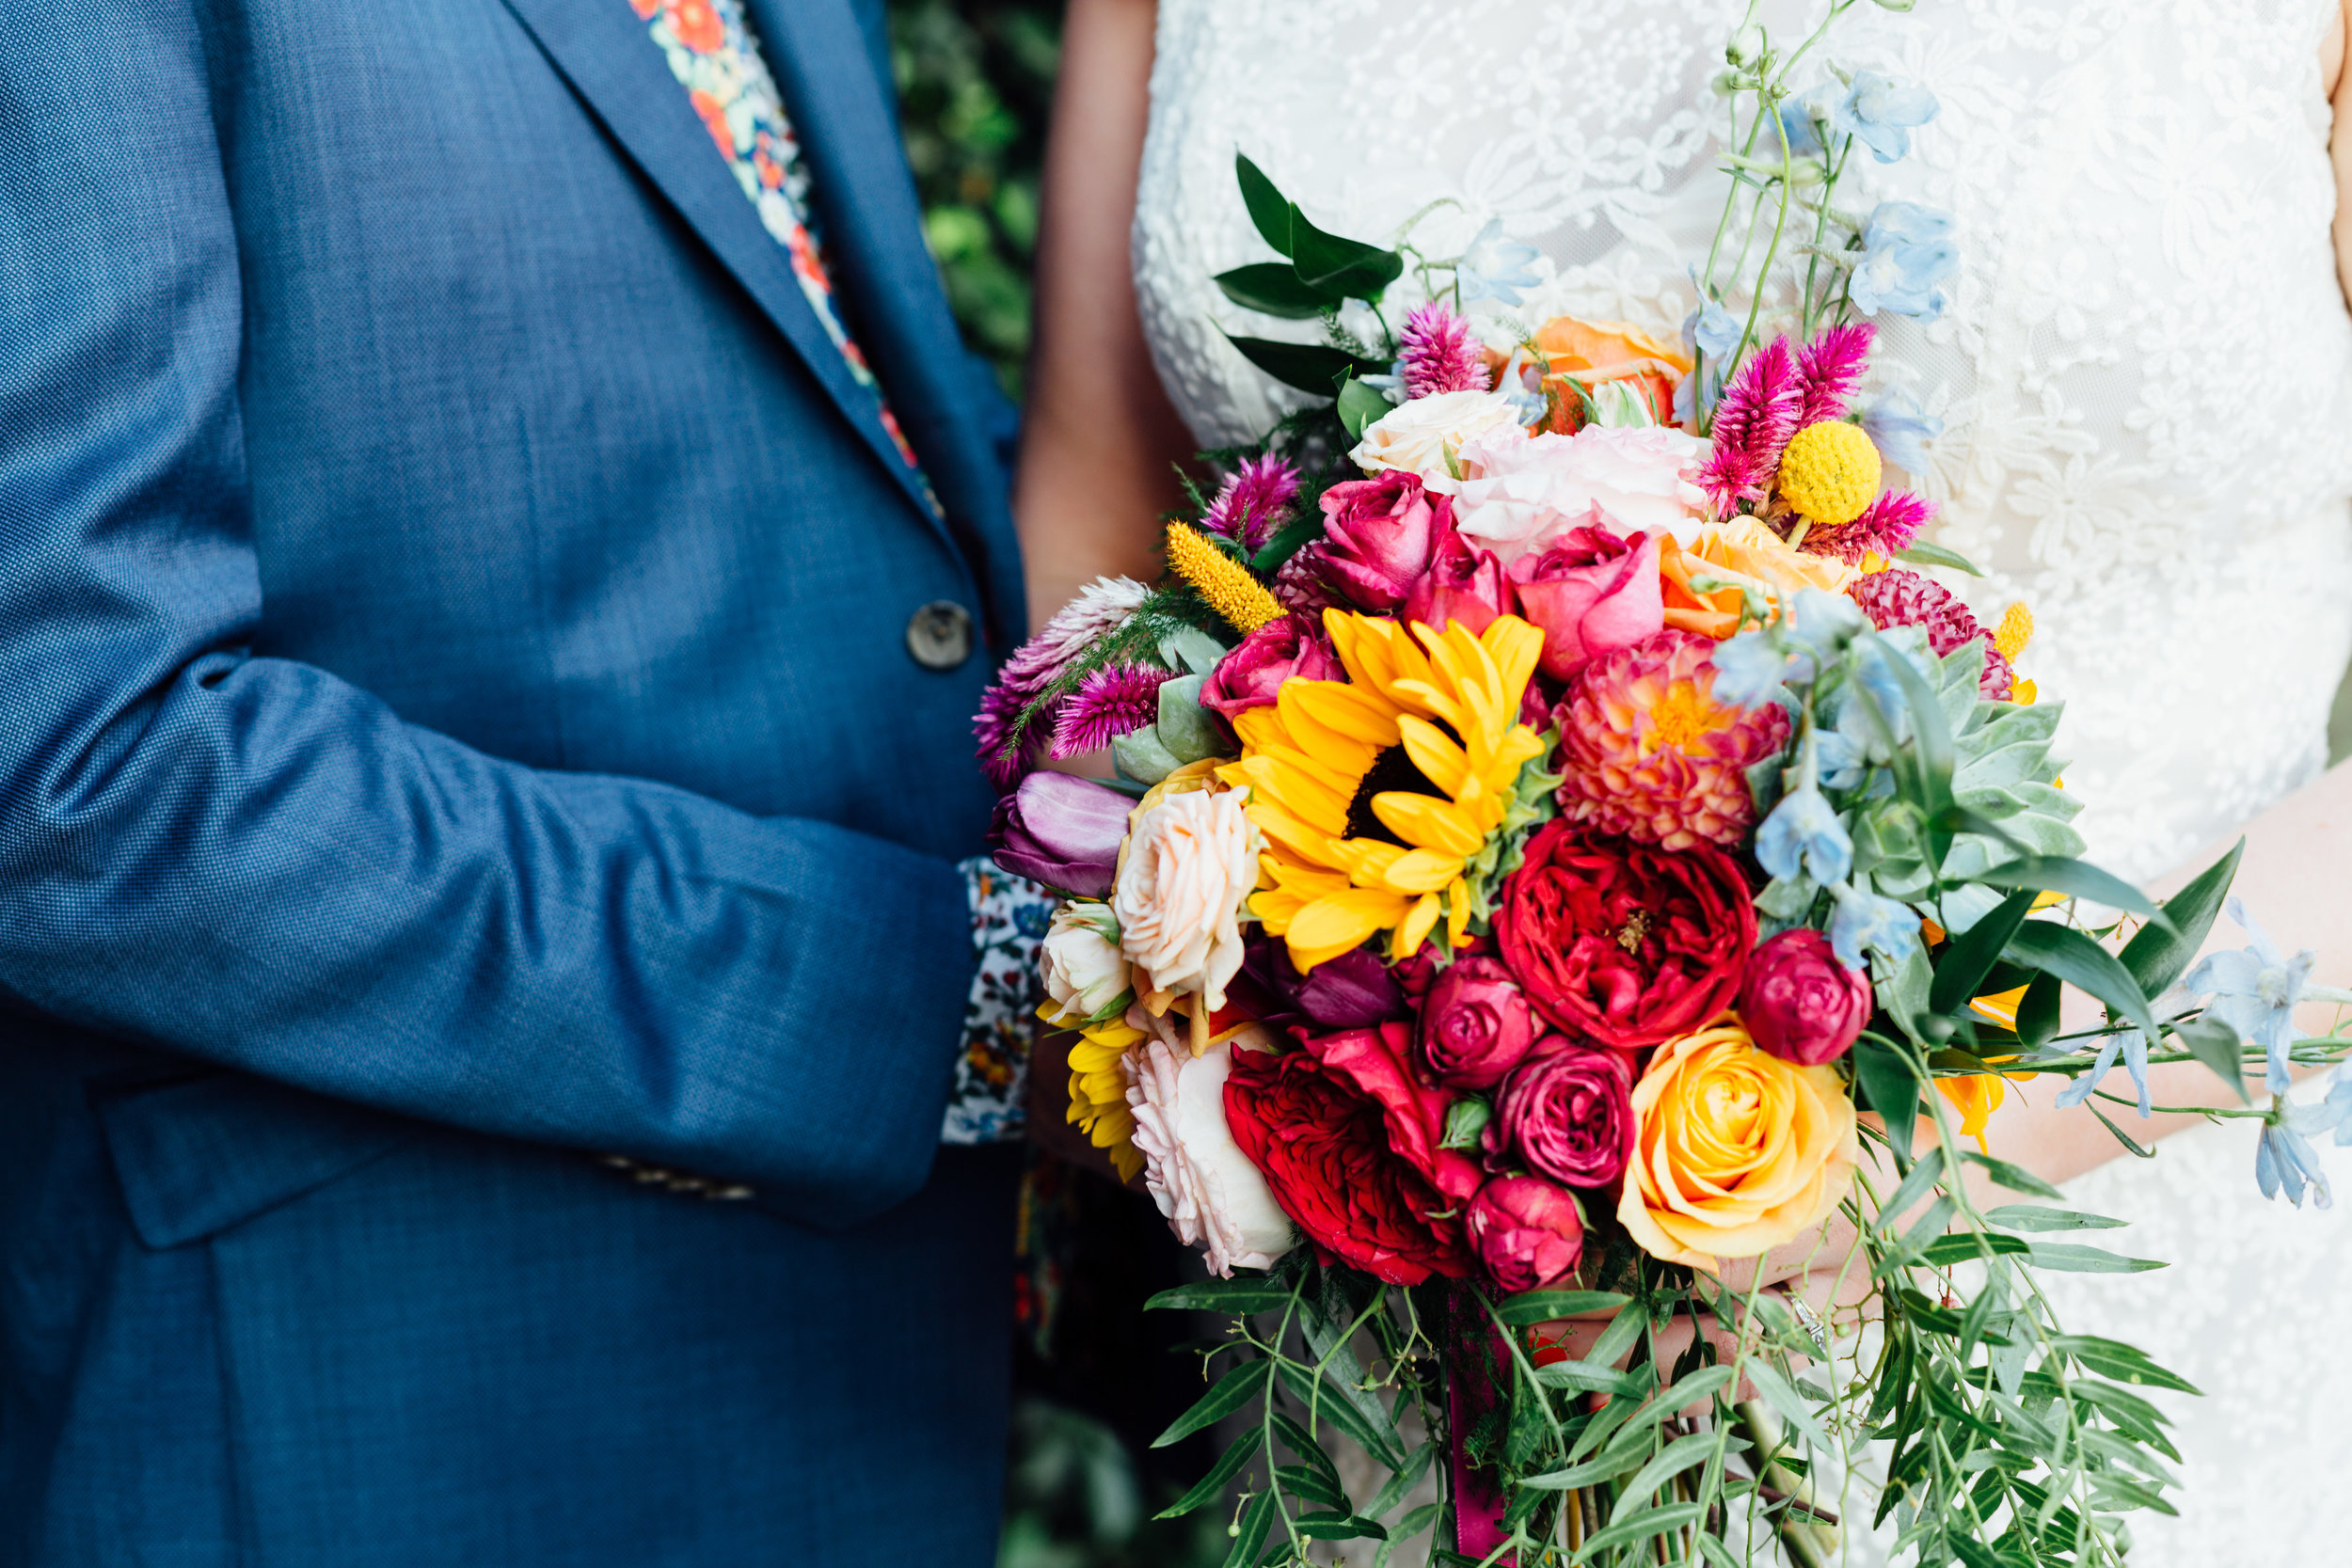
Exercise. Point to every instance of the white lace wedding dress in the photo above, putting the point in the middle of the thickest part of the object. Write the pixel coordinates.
(2146, 383)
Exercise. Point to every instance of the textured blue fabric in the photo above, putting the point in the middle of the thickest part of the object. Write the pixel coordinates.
(456, 716)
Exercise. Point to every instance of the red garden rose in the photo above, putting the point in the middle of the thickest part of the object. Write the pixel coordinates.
(1800, 1003)
(1379, 535)
(1379, 1061)
(1323, 1148)
(1625, 946)
(1289, 647)
(1567, 1114)
(1526, 1231)
(1475, 1025)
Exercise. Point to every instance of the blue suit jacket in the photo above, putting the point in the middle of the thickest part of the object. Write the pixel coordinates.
(456, 716)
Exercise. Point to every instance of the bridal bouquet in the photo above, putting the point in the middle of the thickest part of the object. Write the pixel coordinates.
(1551, 804)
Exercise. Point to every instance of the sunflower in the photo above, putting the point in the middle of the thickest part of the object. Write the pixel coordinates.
(1373, 792)
(1098, 1087)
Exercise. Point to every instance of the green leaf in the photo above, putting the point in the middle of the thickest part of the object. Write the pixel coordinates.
(1288, 541)
(2067, 1257)
(1340, 1527)
(1593, 1377)
(2124, 1363)
(1355, 269)
(1786, 1401)
(1392, 1490)
(1964, 1247)
(2064, 874)
(1969, 957)
(1212, 1486)
(1642, 1527)
(1923, 554)
(1360, 406)
(1309, 367)
(1302, 1481)
(1891, 1087)
(2073, 958)
(2157, 956)
(1924, 1176)
(2131, 1145)
(2038, 1013)
(1381, 1442)
(2017, 1178)
(1236, 1296)
(1275, 289)
(2215, 1044)
(1303, 1444)
(2028, 1216)
(1257, 1520)
(1269, 208)
(1675, 1458)
(1236, 1389)
(1407, 1528)
(1537, 1307)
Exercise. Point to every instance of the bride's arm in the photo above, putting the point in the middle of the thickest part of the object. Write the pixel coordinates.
(1101, 436)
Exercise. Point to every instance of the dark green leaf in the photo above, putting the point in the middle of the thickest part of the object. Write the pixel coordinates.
(2017, 1178)
(1962, 1247)
(2064, 873)
(1269, 208)
(1357, 270)
(1302, 1481)
(2068, 1257)
(1309, 367)
(1594, 1377)
(1968, 957)
(1891, 1088)
(1340, 1527)
(1275, 289)
(1923, 554)
(1256, 1521)
(2026, 1216)
(1381, 1442)
(2081, 962)
(2157, 956)
(2215, 1044)
(2038, 1013)
(1236, 1389)
(1642, 1527)
(1236, 1296)
(1288, 541)
(1392, 1490)
(1407, 1528)
(1212, 1485)
(1537, 1307)
(1360, 406)
(1672, 1459)
(1296, 1438)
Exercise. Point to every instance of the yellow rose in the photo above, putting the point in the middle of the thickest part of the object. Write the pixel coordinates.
(1736, 1152)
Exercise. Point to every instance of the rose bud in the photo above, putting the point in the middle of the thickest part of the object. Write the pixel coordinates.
(1378, 536)
(1567, 1112)
(1800, 1003)
(1083, 969)
(1292, 647)
(1475, 1025)
(1590, 593)
(1527, 1232)
(1062, 831)
(1461, 584)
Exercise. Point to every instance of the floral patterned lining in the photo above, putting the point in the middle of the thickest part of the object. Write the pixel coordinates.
(715, 56)
(1010, 916)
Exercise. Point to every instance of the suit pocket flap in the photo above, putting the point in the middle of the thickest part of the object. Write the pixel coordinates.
(200, 1155)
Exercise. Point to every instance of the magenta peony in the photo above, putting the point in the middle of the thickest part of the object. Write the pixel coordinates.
(1475, 1025)
(1527, 1233)
(1800, 1003)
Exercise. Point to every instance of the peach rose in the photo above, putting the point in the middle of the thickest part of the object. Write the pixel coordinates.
(1735, 1151)
(1189, 866)
(1738, 546)
(1597, 353)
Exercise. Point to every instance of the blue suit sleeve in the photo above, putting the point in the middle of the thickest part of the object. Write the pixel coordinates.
(249, 860)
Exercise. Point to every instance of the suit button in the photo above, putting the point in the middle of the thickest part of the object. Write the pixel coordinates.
(939, 635)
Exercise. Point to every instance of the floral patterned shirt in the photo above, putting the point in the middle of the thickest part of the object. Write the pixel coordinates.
(715, 56)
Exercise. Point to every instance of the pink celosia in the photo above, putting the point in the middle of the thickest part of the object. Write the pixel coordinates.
(1899, 598)
(1111, 702)
(1440, 355)
(1100, 608)
(1252, 499)
(1753, 422)
(1889, 524)
(1829, 368)
(1648, 753)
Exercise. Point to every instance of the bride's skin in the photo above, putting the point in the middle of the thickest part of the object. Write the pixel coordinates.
(1097, 472)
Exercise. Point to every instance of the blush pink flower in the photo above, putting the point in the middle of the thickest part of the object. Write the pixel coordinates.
(1650, 754)
(1521, 493)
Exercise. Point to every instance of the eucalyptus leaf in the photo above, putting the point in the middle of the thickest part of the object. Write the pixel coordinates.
(1379, 1439)
(1257, 1522)
(1236, 1389)
(1139, 755)
(2068, 1257)
(1238, 1296)
(1786, 1401)
(1184, 729)
(1966, 1247)
(1537, 1307)
(2032, 1217)
(1191, 649)
(1922, 553)
(2017, 1178)
(2112, 1358)
(1340, 1527)
(1393, 1490)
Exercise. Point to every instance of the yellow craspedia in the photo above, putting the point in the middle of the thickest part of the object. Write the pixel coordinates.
(2015, 630)
(1225, 582)
(1830, 474)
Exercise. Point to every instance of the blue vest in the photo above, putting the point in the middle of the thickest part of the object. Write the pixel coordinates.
(457, 719)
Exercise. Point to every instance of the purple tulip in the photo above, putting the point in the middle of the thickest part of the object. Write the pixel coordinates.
(1528, 1232)
(1379, 535)
(1062, 831)
(1354, 991)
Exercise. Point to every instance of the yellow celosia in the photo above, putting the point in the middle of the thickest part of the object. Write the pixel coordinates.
(2015, 630)
(1225, 582)
(1373, 792)
(1828, 473)
(1098, 1089)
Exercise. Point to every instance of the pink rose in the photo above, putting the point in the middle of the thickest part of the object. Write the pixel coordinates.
(1567, 1112)
(1475, 1025)
(1378, 1063)
(1590, 593)
(1522, 492)
(1378, 536)
(1527, 1232)
(1461, 584)
(1290, 647)
(1800, 1003)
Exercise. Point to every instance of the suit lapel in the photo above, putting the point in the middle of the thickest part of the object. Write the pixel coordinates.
(849, 132)
(601, 49)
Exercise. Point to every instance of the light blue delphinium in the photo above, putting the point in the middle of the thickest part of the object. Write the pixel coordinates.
(2285, 1158)
(1803, 836)
(1823, 623)
(1866, 920)
(1712, 330)
(1495, 268)
(1749, 668)
(2254, 990)
(1794, 650)
(2132, 1046)
(1883, 689)
(1901, 429)
(1881, 113)
(1907, 254)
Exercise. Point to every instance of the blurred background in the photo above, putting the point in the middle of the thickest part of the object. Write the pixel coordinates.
(1096, 1378)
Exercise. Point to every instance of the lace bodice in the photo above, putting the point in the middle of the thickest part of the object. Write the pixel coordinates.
(2145, 377)
(2146, 383)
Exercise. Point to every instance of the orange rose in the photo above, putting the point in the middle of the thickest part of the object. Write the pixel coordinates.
(1744, 547)
(1735, 1152)
(1596, 354)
